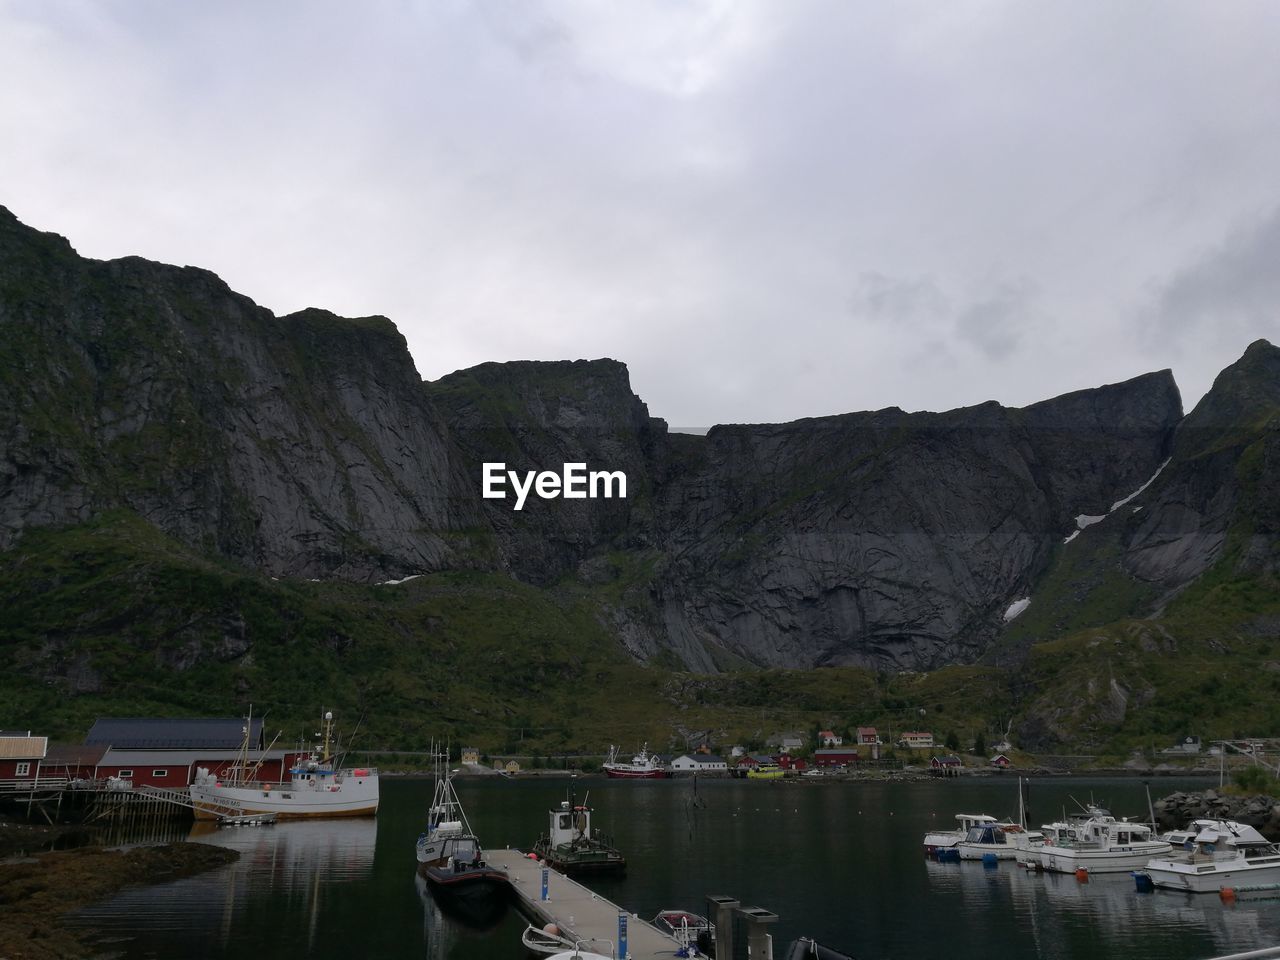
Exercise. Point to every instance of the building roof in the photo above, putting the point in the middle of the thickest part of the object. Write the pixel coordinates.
(174, 733)
(917, 733)
(182, 758)
(22, 747)
(866, 729)
(947, 759)
(74, 755)
(706, 758)
(826, 733)
(836, 752)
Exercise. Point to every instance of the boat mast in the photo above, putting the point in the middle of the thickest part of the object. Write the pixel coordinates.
(328, 735)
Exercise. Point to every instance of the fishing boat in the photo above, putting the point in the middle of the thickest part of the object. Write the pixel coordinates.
(316, 788)
(1099, 843)
(946, 839)
(572, 847)
(643, 766)
(467, 880)
(1224, 854)
(446, 820)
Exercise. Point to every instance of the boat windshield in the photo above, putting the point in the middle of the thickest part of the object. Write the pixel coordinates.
(465, 850)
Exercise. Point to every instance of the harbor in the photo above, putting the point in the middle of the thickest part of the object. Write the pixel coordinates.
(838, 862)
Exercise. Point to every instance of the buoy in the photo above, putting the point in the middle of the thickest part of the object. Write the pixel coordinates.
(532, 856)
(990, 860)
(1082, 874)
(1227, 895)
(1143, 882)
(552, 929)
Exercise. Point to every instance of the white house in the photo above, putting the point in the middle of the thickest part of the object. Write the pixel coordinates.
(830, 738)
(698, 763)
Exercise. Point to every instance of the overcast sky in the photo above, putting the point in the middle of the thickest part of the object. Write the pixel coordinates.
(767, 210)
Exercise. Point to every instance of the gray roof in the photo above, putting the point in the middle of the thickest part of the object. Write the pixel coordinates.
(174, 733)
(178, 758)
(708, 758)
(836, 752)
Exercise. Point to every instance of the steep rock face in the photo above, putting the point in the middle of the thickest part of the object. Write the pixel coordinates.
(307, 446)
(533, 416)
(302, 445)
(1224, 476)
(889, 539)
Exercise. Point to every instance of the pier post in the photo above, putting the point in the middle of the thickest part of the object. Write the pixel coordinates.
(753, 925)
(720, 912)
(545, 879)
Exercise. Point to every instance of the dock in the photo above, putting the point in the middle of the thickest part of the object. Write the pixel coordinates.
(579, 913)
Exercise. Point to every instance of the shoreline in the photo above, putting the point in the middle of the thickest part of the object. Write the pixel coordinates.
(37, 891)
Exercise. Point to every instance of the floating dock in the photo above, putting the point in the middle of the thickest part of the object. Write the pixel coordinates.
(579, 913)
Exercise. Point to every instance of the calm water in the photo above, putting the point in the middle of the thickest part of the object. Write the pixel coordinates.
(837, 861)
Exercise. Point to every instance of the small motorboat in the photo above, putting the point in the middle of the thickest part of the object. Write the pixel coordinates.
(690, 930)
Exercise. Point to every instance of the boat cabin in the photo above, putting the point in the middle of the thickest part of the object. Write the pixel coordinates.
(986, 833)
(569, 823)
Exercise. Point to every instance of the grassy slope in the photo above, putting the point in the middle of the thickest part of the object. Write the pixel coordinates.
(112, 618)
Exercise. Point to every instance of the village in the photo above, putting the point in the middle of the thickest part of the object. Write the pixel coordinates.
(167, 753)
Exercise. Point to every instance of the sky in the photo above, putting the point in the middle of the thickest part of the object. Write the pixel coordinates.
(767, 210)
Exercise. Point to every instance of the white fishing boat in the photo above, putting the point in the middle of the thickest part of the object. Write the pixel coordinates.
(643, 766)
(447, 823)
(1224, 854)
(315, 788)
(1100, 843)
(946, 839)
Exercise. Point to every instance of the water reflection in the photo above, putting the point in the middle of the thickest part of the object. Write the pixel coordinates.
(1061, 913)
(290, 871)
(837, 861)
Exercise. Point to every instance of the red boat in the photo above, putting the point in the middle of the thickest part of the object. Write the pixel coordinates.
(643, 766)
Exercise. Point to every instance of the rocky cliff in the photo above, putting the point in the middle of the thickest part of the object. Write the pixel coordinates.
(307, 447)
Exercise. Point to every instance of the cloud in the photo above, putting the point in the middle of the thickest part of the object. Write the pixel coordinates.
(767, 210)
(998, 323)
(1232, 291)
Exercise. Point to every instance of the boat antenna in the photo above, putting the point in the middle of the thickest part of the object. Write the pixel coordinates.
(350, 740)
(1150, 807)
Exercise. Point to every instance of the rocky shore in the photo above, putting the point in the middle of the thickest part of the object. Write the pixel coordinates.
(35, 892)
(1178, 809)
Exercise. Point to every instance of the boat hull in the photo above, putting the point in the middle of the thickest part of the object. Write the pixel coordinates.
(353, 799)
(1068, 860)
(477, 896)
(619, 773)
(1168, 876)
(976, 851)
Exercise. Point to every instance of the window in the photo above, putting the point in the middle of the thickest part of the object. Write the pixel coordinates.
(159, 773)
(23, 769)
(125, 774)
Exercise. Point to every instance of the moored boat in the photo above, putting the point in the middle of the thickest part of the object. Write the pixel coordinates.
(643, 766)
(1224, 853)
(991, 839)
(694, 932)
(571, 846)
(316, 788)
(937, 840)
(1101, 844)
(446, 820)
(467, 880)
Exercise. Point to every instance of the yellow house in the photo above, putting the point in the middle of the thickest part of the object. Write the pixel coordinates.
(470, 755)
(511, 767)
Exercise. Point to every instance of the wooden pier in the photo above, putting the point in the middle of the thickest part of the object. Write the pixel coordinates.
(579, 913)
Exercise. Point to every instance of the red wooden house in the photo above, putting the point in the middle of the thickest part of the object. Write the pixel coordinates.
(21, 754)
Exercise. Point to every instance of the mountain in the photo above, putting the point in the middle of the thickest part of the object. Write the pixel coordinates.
(178, 464)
